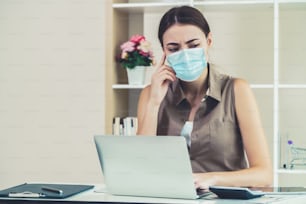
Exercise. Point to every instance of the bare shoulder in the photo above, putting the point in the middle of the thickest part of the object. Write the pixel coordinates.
(241, 84)
(244, 97)
(243, 92)
(241, 87)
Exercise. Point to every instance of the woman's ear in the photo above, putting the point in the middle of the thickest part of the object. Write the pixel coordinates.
(209, 39)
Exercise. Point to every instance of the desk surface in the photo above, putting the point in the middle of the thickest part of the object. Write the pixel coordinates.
(99, 195)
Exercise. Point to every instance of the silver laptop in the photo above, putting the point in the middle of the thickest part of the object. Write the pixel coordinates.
(146, 166)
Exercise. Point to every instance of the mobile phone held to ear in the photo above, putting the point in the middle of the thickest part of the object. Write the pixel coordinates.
(225, 192)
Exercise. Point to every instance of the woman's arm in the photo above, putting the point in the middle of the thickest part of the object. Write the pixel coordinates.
(255, 144)
(147, 113)
(151, 98)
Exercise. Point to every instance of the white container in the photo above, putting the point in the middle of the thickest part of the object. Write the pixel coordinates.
(137, 75)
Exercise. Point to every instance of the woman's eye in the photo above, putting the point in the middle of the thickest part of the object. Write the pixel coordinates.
(173, 49)
(194, 45)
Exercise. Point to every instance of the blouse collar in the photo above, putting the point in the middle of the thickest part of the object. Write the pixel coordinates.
(213, 91)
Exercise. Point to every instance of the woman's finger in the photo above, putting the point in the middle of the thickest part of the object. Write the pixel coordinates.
(162, 61)
(165, 73)
(165, 67)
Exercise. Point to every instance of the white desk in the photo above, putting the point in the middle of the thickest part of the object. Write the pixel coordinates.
(98, 195)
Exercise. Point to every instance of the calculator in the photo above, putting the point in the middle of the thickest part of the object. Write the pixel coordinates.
(226, 192)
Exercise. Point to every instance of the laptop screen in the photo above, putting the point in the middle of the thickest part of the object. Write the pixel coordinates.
(146, 166)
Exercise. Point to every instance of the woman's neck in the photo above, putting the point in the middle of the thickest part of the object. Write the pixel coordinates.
(195, 92)
(196, 89)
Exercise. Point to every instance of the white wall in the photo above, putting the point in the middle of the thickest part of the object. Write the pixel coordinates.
(51, 90)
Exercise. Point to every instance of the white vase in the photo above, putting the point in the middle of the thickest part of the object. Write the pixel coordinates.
(137, 75)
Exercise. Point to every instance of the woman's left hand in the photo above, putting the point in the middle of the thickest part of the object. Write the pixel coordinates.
(204, 180)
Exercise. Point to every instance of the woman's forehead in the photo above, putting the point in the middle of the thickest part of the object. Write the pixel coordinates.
(182, 33)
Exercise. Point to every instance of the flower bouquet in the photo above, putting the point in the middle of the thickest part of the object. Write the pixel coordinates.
(136, 52)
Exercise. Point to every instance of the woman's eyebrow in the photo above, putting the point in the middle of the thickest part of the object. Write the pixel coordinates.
(190, 41)
(173, 44)
(176, 44)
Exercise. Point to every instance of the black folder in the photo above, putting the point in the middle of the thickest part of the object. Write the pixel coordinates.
(44, 190)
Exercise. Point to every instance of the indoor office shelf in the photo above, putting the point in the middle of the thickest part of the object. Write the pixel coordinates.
(292, 86)
(291, 171)
(146, 6)
(127, 86)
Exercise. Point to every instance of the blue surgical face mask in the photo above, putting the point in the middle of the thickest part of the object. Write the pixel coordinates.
(188, 64)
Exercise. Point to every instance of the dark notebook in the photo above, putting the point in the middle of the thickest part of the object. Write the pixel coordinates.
(44, 190)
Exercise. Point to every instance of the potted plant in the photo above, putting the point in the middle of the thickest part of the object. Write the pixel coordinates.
(136, 55)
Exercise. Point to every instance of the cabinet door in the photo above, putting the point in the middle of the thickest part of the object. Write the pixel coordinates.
(292, 43)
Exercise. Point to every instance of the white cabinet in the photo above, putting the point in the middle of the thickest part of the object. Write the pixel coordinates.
(261, 41)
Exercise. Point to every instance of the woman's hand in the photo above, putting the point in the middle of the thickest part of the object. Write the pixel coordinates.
(160, 81)
(204, 180)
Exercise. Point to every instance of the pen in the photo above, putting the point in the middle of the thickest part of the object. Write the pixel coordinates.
(26, 194)
(51, 189)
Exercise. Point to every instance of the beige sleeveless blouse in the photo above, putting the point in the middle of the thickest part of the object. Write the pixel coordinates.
(216, 143)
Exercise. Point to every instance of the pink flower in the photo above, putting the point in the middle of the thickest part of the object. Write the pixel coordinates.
(137, 38)
(144, 46)
(145, 54)
(128, 46)
(124, 55)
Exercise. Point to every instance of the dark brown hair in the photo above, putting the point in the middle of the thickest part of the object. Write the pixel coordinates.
(182, 15)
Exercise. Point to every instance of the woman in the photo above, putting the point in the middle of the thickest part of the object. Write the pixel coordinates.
(216, 113)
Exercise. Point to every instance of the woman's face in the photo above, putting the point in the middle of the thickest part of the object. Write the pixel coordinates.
(180, 36)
